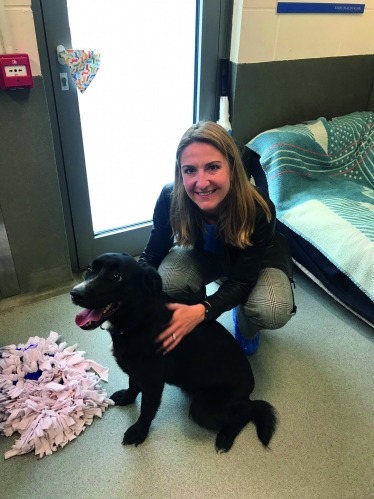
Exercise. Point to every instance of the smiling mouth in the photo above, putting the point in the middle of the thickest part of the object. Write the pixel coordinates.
(205, 194)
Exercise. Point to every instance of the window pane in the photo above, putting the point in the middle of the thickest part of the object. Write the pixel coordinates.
(139, 104)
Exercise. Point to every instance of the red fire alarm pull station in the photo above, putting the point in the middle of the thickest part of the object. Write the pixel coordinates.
(15, 71)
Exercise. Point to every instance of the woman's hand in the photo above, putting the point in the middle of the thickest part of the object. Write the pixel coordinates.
(185, 319)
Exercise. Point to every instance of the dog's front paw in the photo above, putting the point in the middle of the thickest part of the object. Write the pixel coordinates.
(123, 397)
(135, 435)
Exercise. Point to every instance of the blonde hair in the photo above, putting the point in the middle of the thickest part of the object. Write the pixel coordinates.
(237, 211)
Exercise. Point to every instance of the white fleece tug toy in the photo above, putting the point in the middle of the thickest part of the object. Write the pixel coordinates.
(47, 394)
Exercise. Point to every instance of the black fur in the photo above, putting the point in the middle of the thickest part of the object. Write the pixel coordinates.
(207, 364)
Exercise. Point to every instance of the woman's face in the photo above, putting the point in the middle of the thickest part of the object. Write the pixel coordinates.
(206, 176)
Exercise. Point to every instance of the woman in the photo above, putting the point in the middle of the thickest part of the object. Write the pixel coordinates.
(212, 223)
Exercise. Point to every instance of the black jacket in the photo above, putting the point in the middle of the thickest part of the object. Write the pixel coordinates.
(269, 249)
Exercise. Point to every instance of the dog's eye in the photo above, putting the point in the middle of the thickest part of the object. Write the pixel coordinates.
(116, 277)
(88, 271)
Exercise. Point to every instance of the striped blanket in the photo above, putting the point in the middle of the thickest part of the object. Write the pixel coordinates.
(321, 180)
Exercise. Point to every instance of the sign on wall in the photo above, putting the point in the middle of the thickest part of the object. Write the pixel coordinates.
(321, 7)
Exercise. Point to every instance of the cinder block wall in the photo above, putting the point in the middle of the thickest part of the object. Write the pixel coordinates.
(262, 35)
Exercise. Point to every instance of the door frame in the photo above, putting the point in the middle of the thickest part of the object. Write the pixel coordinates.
(214, 23)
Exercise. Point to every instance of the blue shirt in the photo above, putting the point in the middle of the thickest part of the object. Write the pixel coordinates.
(211, 242)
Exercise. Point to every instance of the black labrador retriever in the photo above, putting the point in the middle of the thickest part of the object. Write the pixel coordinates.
(208, 364)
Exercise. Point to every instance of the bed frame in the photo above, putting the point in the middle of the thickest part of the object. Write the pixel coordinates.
(271, 94)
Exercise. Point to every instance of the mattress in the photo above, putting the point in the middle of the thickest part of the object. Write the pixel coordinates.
(311, 261)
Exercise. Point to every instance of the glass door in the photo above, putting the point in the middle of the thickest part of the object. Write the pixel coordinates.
(116, 142)
(139, 104)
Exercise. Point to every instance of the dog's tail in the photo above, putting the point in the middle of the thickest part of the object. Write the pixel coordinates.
(264, 417)
(260, 413)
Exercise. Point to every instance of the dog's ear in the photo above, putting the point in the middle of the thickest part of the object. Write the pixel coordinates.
(125, 254)
(152, 281)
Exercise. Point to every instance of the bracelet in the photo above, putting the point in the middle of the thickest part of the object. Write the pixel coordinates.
(208, 311)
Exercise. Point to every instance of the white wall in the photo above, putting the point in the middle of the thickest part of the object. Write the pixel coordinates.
(22, 31)
(261, 35)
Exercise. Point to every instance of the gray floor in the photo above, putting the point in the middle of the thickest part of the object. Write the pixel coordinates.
(318, 371)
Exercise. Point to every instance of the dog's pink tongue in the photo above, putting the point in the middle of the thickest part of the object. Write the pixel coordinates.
(88, 315)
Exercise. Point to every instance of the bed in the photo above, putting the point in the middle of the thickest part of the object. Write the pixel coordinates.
(320, 176)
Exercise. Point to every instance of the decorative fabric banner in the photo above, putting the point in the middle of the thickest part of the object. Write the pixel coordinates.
(83, 64)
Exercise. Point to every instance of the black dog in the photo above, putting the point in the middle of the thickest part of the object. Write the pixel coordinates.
(207, 364)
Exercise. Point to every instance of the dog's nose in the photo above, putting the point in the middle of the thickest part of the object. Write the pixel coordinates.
(75, 296)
